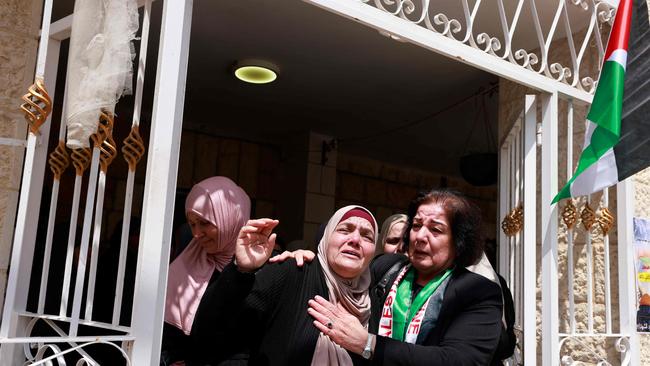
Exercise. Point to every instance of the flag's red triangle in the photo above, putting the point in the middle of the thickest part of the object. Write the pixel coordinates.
(620, 33)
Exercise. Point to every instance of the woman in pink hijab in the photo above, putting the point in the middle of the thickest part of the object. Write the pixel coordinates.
(216, 208)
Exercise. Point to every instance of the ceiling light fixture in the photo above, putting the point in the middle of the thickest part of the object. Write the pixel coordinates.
(256, 71)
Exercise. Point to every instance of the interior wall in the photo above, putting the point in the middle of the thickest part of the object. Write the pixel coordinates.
(281, 181)
(273, 176)
(386, 189)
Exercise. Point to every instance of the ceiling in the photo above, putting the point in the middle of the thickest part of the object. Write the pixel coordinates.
(381, 98)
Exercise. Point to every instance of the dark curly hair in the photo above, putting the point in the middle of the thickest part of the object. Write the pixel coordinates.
(465, 220)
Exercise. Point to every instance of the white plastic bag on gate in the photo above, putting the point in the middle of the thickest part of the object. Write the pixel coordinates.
(100, 64)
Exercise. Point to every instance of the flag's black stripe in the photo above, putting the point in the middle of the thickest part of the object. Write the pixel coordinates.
(633, 150)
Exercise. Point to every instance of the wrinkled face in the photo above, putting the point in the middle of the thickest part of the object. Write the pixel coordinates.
(351, 247)
(394, 239)
(204, 232)
(431, 248)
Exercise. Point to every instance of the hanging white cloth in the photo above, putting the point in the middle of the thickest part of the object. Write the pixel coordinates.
(100, 63)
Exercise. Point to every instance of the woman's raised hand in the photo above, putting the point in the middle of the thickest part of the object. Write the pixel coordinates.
(255, 244)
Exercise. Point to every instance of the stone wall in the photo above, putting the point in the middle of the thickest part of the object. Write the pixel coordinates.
(253, 166)
(386, 189)
(320, 194)
(19, 25)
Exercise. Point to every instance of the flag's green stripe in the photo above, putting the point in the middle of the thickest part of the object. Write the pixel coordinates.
(608, 101)
(601, 141)
(606, 113)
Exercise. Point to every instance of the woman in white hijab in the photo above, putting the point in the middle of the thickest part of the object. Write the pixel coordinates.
(262, 308)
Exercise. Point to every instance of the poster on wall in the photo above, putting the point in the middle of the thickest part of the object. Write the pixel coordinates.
(642, 266)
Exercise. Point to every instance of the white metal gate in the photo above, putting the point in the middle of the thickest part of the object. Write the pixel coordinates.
(517, 249)
(523, 194)
(138, 343)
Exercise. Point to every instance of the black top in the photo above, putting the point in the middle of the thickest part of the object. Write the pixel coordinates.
(175, 344)
(468, 326)
(265, 313)
(508, 339)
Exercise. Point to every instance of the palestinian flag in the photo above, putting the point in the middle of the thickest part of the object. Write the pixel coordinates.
(617, 137)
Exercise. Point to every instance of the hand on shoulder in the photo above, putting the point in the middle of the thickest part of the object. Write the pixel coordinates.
(301, 256)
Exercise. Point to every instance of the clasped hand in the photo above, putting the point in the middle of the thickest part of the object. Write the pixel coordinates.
(338, 324)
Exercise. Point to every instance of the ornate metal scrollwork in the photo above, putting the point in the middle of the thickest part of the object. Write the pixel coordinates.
(568, 361)
(582, 3)
(605, 220)
(57, 354)
(103, 139)
(588, 84)
(37, 105)
(449, 26)
(574, 72)
(605, 13)
(133, 148)
(528, 59)
(563, 73)
(506, 225)
(570, 214)
(59, 160)
(622, 346)
(108, 152)
(51, 354)
(104, 128)
(81, 159)
(518, 218)
(588, 217)
(492, 44)
(513, 222)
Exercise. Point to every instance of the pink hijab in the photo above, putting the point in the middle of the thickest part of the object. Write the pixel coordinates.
(225, 205)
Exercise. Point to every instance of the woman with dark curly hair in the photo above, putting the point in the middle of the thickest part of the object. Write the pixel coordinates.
(427, 309)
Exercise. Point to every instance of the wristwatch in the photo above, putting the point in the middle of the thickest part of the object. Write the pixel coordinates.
(367, 351)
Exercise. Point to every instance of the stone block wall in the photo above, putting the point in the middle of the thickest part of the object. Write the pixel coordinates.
(386, 189)
(321, 185)
(19, 25)
(294, 182)
(253, 166)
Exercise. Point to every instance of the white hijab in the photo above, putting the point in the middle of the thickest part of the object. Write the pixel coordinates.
(352, 294)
